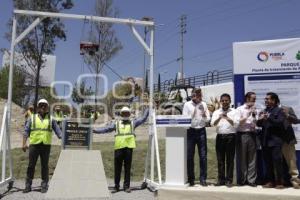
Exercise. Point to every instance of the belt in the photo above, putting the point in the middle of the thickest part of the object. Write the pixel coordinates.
(226, 135)
(197, 128)
(246, 132)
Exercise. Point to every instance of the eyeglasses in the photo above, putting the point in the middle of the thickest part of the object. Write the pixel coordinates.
(43, 105)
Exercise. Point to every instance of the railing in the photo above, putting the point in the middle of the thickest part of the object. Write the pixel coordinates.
(210, 78)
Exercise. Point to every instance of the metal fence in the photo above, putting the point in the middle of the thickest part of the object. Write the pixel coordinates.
(210, 78)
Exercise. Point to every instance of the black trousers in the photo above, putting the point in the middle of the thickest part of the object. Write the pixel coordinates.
(196, 137)
(274, 163)
(123, 155)
(36, 151)
(246, 157)
(225, 149)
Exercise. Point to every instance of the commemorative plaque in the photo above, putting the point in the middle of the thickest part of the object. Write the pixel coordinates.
(76, 135)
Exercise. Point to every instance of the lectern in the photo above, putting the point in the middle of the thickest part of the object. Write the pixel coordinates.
(176, 147)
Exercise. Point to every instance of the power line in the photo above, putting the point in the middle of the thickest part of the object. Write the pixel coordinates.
(167, 63)
(111, 69)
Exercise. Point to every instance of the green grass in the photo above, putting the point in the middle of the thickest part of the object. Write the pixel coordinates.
(20, 160)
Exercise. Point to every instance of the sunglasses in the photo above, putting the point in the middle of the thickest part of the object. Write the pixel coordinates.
(43, 105)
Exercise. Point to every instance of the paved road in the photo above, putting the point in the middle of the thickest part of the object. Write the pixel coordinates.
(16, 192)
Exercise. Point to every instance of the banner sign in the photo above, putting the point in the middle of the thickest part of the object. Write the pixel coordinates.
(173, 121)
(270, 56)
(269, 66)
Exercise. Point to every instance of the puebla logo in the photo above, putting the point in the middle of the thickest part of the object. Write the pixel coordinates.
(263, 56)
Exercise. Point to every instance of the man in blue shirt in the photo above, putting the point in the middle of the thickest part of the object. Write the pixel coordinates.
(38, 129)
(124, 144)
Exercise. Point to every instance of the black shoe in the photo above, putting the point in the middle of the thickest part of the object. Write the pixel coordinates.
(191, 183)
(229, 184)
(128, 190)
(117, 188)
(144, 185)
(220, 183)
(44, 189)
(27, 189)
(252, 184)
(203, 183)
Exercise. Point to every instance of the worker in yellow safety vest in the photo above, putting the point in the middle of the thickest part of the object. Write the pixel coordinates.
(39, 131)
(124, 144)
(58, 116)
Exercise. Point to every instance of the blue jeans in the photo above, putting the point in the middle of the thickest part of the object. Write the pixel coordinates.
(196, 137)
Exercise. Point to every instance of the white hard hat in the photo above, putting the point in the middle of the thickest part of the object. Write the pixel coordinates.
(43, 101)
(125, 109)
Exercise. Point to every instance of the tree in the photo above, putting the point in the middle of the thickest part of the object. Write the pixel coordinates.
(84, 91)
(19, 89)
(79, 99)
(158, 83)
(103, 35)
(42, 39)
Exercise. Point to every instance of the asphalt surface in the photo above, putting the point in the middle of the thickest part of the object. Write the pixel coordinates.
(17, 192)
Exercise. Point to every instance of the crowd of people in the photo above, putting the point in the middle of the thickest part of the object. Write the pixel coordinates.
(241, 132)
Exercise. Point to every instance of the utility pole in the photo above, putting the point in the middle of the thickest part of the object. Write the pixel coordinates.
(182, 31)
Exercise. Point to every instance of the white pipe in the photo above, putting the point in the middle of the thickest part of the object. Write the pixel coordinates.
(84, 17)
(27, 30)
(157, 151)
(3, 143)
(140, 39)
(147, 158)
(151, 99)
(3, 126)
(7, 180)
(10, 160)
(9, 97)
(11, 73)
(152, 156)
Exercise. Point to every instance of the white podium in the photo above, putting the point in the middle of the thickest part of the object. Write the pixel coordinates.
(176, 147)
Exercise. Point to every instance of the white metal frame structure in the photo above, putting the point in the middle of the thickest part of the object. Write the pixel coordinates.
(153, 151)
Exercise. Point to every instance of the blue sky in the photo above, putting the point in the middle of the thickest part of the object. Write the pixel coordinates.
(212, 27)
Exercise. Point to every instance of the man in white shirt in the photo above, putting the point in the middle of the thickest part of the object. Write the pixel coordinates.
(196, 135)
(225, 122)
(246, 141)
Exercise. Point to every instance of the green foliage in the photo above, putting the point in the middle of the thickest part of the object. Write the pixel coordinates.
(45, 93)
(42, 39)
(298, 55)
(84, 91)
(121, 90)
(19, 89)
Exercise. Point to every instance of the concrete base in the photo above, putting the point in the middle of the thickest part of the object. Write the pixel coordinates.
(224, 193)
(79, 174)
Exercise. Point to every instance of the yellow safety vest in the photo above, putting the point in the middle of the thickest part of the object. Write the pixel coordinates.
(58, 116)
(125, 136)
(40, 130)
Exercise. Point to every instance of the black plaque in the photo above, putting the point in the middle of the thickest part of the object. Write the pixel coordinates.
(76, 135)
